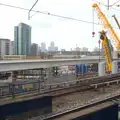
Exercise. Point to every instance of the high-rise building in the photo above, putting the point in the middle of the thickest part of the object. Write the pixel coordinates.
(43, 47)
(34, 49)
(4, 47)
(22, 37)
(52, 47)
(16, 40)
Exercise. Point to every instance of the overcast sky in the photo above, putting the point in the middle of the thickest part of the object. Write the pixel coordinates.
(65, 33)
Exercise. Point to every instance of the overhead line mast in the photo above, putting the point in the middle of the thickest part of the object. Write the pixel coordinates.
(31, 9)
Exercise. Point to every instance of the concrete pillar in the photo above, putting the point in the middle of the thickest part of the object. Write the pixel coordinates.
(50, 76)
(114, 67)
(115, 54)
(96, 86)
(117, 82)
(14, 76)
(101, 69)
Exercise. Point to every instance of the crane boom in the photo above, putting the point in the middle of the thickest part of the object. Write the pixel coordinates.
(104, 21)
(107, 51)
(116, 21)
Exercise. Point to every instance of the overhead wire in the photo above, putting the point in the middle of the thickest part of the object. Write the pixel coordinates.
(114, 3)
(50, 14)
(107, 5)
(47, 13)
(111, 6)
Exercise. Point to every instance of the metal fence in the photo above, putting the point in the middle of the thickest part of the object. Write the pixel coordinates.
(13, 89)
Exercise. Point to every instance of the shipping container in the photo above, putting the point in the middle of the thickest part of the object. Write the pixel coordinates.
(81, 68)
(77, 69)
(85, 69)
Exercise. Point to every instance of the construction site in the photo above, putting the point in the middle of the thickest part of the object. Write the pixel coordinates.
(80, 88)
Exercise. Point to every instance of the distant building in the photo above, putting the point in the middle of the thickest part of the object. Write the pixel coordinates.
(12, 46)
(34, 49)
(16, 40)
(22, 38)
(77, 49)
(4, 47)
(52, 47)
(62, 49)
(96, 49)
(43, 47)
(84, 49)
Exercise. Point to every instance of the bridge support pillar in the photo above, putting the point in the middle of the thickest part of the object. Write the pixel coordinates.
(114, 67)
(117, 82)
(96, 86)
(108, 84)
(14, 76)
(50, 76)
(101, 69)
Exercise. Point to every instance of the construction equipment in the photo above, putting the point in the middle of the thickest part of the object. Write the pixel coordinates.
(116, 21)
(107, 50)
(105, 23)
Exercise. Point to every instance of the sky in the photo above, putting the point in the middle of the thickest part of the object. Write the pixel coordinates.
(45, 28)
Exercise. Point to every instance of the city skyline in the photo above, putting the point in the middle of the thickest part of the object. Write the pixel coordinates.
(7, 48)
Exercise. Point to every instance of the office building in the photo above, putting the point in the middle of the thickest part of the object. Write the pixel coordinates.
(22, 38)
(34, 49)
(4, 47)
(16, 40)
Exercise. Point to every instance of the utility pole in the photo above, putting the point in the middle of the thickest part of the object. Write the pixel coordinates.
(76, 50)
(108, 4)
(31, 9)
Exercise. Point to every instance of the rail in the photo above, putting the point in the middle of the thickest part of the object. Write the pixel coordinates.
(10, 90)
(77, 107)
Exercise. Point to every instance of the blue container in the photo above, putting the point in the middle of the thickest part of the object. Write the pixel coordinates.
(81, 68)
(85, 69)
(77, 68)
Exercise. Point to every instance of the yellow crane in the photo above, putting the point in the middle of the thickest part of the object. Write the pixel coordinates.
(116, 21)
(107, 50)
(105, 23)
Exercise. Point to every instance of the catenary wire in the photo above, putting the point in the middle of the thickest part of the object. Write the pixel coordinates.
(55, 15)
(47, 13)
(107, 5)
(114, 3)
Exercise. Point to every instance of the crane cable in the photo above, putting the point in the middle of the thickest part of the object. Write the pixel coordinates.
(93, 19)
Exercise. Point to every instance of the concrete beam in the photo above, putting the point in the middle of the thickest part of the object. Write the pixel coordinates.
(32, 64)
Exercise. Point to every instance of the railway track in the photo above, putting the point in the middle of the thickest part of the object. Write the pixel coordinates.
(80, 85)
(77, 107)
(84, 85)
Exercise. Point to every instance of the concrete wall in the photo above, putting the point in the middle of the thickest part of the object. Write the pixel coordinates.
(108, 113)
(19, 109)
